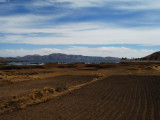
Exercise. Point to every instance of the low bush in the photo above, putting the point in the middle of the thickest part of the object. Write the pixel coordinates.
(60, 89)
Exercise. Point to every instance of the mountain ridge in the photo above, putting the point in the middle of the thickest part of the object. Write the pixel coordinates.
(61, 56)
(154, 57)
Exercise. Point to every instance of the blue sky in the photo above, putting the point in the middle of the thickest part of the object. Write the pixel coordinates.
(118, 28)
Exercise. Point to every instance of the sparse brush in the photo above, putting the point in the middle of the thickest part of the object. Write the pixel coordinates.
(37, 94)
(60, 89)
(48, 90)
(32, 96)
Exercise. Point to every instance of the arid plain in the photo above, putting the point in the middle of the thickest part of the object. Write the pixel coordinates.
(78, 91)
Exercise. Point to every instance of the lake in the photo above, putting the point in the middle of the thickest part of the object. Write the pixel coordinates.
(42, 62)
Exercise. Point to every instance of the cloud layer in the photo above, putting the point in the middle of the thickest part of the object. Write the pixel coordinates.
(100, 51)
(86, 33)
(91, 22)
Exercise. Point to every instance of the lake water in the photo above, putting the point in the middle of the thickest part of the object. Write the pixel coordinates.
(60, 62)
(24, 63)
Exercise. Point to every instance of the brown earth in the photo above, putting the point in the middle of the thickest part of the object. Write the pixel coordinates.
(25, 87)
(127, 91)
(124, 97)
(13, 74)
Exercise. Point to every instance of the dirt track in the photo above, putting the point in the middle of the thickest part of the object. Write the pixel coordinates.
(115, 98)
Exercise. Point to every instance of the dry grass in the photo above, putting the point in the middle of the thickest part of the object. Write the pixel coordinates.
(49, 70)
(39, 96)
(122, 97)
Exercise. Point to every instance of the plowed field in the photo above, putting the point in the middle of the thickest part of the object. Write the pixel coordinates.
(114, 98)
(22, 88)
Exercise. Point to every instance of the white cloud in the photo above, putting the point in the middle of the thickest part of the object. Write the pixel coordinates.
(100, 51)
(26, 21)
(84, 33)
(13, 28)
(22, 52)
(116, 4)
(3, 0)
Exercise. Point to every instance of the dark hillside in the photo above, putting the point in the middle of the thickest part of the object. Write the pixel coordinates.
(155, 57)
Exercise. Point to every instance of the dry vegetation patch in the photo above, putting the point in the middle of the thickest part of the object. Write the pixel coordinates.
(119, 97)
(37, 96)
(41, 95)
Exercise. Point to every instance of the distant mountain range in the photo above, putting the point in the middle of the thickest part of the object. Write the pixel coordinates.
(59, 57)
(153, 57)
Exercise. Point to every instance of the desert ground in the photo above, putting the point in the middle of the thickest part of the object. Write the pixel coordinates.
(78, 91)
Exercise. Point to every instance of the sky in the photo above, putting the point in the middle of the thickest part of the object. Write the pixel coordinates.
(117, 28)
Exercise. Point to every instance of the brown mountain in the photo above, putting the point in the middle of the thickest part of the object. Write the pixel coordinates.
(66, 58)
(154, 57)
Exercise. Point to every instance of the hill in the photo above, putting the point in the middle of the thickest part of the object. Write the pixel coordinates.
(154, 57)
(59, 57)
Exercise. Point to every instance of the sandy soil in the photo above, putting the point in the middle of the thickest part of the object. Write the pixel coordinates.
(114, 98)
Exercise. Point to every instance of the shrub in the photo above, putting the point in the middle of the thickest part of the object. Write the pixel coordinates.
(48, 90)
(37, 94)
(60, 89)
